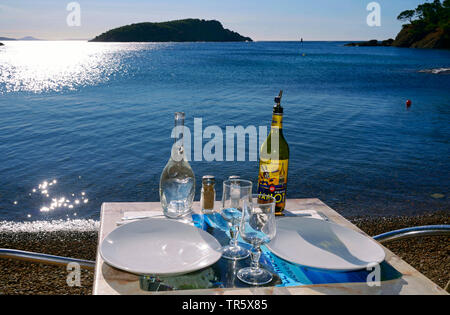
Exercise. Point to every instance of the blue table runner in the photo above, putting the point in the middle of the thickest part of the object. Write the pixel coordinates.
(292, 274)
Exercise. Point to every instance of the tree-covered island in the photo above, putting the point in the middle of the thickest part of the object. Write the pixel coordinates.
(188, 30)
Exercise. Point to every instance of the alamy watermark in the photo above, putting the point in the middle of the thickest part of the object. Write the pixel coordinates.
(74, 17)
(374, 277)
(374, 17)
(229, 145)
(74, 277)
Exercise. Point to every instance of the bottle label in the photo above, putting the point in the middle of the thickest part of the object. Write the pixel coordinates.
(277, 121)
(273, 180)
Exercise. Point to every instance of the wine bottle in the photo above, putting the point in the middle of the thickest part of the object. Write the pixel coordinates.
(274, 160)
(177, 184)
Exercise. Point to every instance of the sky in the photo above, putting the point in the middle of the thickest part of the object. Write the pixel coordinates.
(258, 19)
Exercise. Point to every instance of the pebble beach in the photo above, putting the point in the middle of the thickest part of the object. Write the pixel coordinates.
(430, 255)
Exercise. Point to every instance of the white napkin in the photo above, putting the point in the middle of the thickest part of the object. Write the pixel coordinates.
(306, 213)
(132, 216)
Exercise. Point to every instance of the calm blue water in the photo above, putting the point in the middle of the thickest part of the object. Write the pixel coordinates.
(97, 119)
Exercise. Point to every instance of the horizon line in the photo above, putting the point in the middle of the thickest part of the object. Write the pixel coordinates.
(255, 41)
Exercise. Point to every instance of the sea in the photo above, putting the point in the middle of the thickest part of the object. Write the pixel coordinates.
(85, 123)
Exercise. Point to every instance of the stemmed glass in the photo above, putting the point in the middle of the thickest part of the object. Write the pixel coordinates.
(235, 193)
(258, 227)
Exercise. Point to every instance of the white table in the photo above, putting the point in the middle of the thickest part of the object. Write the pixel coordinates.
(112, 281)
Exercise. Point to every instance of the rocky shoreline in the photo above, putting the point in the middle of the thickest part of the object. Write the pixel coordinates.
(371, 43)
(430, 255)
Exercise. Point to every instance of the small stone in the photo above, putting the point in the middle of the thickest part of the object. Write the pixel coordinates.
(437, 196)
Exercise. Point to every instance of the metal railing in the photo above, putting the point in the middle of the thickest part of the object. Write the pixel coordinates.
(418, 231)
(44, 258)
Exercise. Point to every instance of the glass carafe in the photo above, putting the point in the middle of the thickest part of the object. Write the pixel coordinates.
(177, 184)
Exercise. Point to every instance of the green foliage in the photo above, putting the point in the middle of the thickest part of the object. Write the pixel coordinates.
(430, 13)
(189, 30)
(429, 23)
(407, 15)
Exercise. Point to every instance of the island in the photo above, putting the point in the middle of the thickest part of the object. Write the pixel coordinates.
(428, 27)
(371, 43)
(28, 38)
(23, 38)
(188, 30)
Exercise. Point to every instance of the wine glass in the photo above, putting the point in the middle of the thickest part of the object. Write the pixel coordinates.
(258, 227)
(235, 192)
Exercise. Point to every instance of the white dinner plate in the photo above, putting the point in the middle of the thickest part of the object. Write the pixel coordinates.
(324, 245)
(160, 247)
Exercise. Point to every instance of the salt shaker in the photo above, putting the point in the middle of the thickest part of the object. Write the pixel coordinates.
(208, 195)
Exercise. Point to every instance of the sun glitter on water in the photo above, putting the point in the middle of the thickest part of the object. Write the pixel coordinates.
(60, 202)
(53, 66)
(53, 201)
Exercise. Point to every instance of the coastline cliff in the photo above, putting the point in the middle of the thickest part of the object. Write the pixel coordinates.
(428, 27)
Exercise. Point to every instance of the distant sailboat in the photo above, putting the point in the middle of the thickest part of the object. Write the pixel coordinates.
(301, 41)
